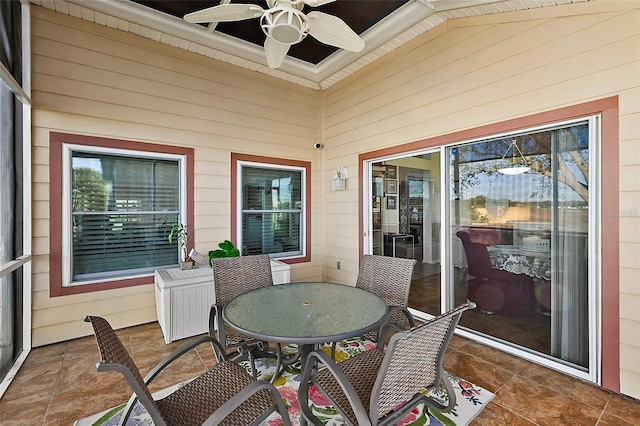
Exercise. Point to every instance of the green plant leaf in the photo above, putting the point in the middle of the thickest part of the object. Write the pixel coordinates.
(178, 231)
(226, 246)
(214, 254)
(227, 249)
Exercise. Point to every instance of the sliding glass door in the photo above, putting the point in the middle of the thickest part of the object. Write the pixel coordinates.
(404, 220)
(517, 210)
(522, 220)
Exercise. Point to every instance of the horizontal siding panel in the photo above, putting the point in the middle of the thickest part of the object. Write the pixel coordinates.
(166, 93)
(104, 306)
(522, 70)
(158, 59)
(629, 333)
(58, 332)
(630, 204)
(41, 298)
(629, 178)
(40, 228)
(629, 281)
(505, 99)
(629, 259)
(57, 121)
(630, 382)
(69, 96)
(231, 135)
(412, 65)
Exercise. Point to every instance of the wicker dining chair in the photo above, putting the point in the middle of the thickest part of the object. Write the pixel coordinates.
(233, 276)
(390, 279)
(378, 387)
(224, 395)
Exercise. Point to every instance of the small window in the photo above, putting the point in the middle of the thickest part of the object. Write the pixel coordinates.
(122, 207)
(272, 208)
(113, 203)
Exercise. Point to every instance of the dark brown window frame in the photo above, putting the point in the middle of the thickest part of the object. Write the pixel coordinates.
(56, 142)
(236, 158)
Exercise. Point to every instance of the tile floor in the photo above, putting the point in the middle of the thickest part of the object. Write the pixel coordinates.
(58, 384)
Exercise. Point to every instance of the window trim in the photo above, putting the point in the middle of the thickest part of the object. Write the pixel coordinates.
(236, 210)
(58, 255)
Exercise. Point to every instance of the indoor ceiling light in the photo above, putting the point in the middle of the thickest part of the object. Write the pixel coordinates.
(514, 168)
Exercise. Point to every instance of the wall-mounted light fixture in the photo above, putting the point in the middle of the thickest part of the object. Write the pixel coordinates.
(514, 166)
(339, 181)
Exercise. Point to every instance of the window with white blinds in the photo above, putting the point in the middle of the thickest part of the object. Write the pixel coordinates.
(122, 208)
(272, 210)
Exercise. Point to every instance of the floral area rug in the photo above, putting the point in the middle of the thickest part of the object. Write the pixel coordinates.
(471, 399)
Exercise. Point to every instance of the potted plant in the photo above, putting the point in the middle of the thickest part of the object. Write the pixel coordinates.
(179, 232)
(227, 249)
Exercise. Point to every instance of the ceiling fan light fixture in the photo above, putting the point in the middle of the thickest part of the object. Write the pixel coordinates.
(285, 24)
(514, 168)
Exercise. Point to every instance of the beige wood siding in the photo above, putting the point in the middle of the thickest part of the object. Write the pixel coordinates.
(484, 70)
(98, 81)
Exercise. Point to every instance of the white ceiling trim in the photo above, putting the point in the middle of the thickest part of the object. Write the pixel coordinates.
(405, 24)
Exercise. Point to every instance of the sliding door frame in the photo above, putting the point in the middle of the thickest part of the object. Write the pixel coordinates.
(605, 367)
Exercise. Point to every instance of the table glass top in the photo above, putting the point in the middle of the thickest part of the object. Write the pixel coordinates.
(305, 312)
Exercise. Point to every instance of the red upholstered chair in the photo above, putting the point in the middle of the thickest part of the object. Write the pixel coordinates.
(493, 290)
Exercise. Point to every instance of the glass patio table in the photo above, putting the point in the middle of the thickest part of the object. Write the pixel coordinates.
(305, 314)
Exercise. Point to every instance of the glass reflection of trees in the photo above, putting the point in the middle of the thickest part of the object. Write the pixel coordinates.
(562, 152)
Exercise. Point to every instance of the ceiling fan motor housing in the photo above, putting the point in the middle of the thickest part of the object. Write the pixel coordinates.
(285, 24)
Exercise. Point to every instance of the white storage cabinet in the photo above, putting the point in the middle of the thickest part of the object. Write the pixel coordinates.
(184, 298)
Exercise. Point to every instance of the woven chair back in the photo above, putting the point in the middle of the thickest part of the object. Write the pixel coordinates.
(114, 356)
(387, 277)
(234, 276)
(413, 362)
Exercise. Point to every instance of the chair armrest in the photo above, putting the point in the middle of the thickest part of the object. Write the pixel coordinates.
(238, 399)
(214, 312)
(434, 403)
(362, 416)
(215, 316)
(405, 311)
(217, 349)
(388, 326)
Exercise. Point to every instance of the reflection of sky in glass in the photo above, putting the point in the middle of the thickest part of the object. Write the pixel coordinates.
(527, 187)
(87, 163)
(474, 158)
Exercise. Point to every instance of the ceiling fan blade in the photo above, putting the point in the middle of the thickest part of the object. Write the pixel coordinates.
(331, 30)
(225, 13)
(316, 3)
(275, 52)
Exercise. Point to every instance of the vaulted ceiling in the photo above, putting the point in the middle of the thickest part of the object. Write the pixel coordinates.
(383, 25)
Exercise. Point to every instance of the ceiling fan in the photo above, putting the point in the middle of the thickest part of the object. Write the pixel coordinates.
(285, 25)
